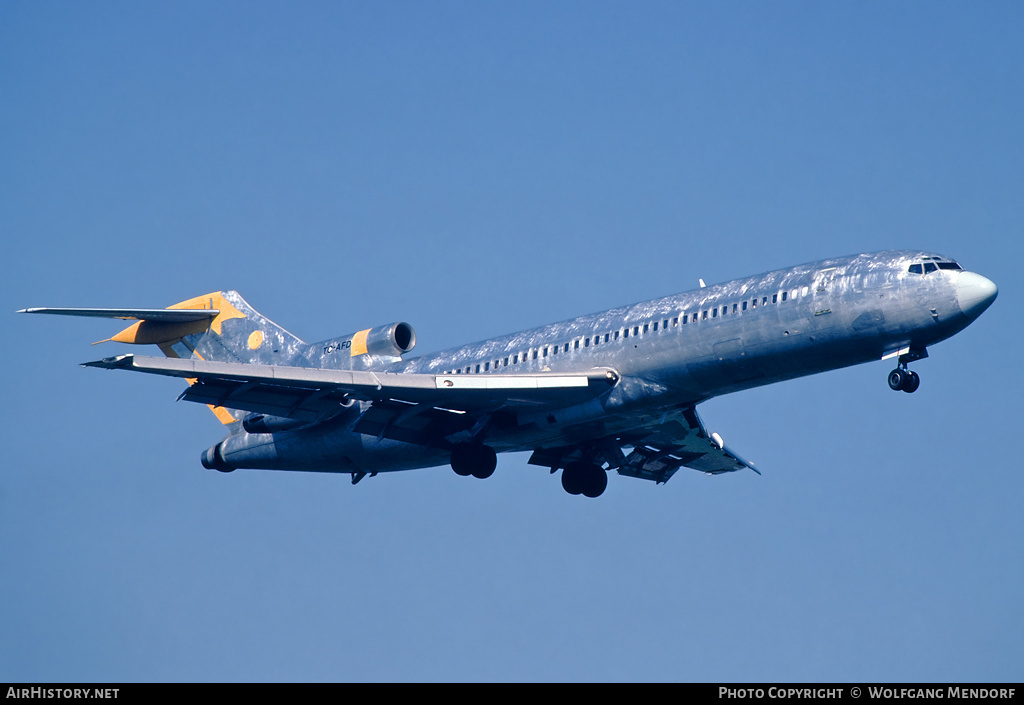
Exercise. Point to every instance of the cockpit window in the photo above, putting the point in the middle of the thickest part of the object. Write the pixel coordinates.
(932, 264)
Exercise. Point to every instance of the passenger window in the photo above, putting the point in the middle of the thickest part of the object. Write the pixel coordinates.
(784, 296)
(744, 305)
(775, 298)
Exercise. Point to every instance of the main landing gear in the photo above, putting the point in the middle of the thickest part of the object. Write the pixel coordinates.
(587, 479)
(580, 477)
(903, 380)
(474, 459)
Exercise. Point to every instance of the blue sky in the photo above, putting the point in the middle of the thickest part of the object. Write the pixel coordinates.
(474, 169)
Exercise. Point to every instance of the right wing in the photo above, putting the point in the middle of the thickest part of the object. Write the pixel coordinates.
(681, 440)
(678, 438)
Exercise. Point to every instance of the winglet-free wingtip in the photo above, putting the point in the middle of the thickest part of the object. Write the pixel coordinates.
(109, 363)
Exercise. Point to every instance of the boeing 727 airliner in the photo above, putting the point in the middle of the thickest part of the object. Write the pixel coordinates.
(616, 390)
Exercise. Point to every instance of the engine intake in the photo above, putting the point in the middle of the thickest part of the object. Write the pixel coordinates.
(391, 340)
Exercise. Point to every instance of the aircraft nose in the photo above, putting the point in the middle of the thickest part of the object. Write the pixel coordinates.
(974, 293)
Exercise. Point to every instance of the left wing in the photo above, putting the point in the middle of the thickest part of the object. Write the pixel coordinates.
(308, 394)
(423, 408)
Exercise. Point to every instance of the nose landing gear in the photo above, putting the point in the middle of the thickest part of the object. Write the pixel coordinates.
(902, 379)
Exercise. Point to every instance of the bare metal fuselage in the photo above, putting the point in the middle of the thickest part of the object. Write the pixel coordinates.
(667, 354)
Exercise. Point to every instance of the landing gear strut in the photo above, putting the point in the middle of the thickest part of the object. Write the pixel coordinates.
(474, 459)
(902, 379)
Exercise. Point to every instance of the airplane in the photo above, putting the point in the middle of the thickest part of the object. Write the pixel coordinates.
(616, 390)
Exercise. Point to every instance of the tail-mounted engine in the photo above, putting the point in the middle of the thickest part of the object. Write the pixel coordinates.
(391, 340)
(385, 343)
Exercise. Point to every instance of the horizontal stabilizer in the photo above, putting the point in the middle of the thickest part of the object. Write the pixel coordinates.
(160, 315)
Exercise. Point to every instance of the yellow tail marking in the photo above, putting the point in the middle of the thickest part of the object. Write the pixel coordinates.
(222, 414)
(155, 333)
(213, 301)
(359, 342)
